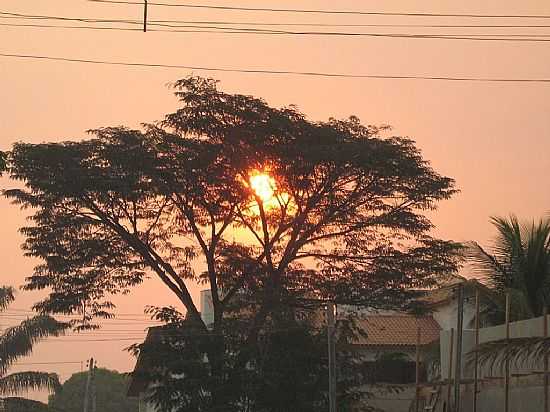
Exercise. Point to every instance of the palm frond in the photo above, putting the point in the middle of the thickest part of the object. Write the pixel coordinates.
(18, 341)
(537, 263)
(517, 262)
(485, 265)
(509, 242)
(24, 381)
(6, 296)
(521, 352)
(520, 305)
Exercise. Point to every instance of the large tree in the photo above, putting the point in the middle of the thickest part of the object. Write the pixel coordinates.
(18, 341)
(278, 208)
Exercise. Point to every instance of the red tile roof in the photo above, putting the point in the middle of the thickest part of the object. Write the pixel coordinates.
(397, 330)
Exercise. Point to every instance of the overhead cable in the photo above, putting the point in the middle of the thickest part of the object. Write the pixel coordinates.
(535, 38)
(313, 11)
(12, 15)
(278, 72)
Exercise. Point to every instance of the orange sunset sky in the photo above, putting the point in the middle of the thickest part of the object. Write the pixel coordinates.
(493, 138)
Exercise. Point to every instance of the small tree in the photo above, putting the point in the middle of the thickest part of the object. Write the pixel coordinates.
(280, 209)
(17, 342)
(14, 404)
(111, 388)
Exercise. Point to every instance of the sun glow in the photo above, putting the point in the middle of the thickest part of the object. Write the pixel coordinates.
(263, 185)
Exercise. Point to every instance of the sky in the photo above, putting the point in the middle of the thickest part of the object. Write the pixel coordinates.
(493, 138)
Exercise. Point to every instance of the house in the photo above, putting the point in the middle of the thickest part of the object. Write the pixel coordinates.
(442, 302)
(389, 345)
(138, 383)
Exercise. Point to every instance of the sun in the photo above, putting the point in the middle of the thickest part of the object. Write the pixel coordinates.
(263, 185)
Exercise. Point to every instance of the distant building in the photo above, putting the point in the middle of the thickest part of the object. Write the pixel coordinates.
(206, 307)
(139, 384)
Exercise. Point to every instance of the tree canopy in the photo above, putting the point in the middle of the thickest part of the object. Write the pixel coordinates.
(340, 214)
(111, 388)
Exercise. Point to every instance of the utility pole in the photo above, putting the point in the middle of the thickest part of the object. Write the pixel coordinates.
(144, 15)
(450, 371)
(545, 334)
(88, 384)
(459, 325)
(476, 359)
(331, 357)
(93, 389)
(507, 361)
(417, 369)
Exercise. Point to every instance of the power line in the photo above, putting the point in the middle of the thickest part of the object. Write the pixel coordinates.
(222, 30)
(109, 28)
(21, 317)
(73, 316)
(246, 23)
(34, 312)
(11, 15)
(280, 72)
(25, 314)
(225, 30)
(311, 11)
(102, 332)
(101, 322)
(93, 340)
(48, 363)
(201, 28)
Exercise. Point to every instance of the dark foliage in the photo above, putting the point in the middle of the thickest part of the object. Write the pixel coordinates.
(286, 369)
(111, 388)
(14, 404)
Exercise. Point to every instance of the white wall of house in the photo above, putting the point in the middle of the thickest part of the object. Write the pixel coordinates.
(206, 307)
(520, 329)
(523, 398)
(446, 314)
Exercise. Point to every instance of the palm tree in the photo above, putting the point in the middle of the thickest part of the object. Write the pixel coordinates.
(18, 341)
(521, 352)
(518, 263)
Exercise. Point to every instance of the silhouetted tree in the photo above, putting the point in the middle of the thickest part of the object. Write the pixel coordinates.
(282, 211)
